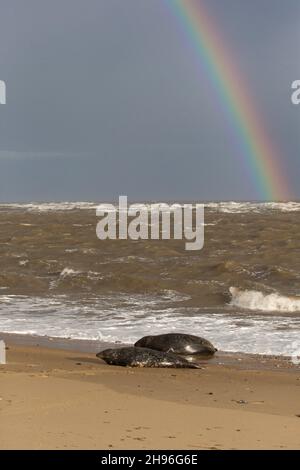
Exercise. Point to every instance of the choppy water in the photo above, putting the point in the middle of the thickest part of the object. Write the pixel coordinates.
(241, 291)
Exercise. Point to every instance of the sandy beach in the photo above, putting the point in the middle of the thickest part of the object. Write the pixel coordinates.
(63, 399)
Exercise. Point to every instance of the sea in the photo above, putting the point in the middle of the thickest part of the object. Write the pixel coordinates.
(241, 291)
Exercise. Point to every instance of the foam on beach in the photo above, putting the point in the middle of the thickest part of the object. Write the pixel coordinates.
(126, 318)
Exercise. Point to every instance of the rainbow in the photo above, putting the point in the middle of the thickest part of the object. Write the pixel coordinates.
(257, 151)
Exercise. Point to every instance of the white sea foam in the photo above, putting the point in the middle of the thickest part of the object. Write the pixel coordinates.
(68, 272)
(227, 207)
(255, 300)
(95, 276)
(126, 318)
(23, 262)
(50, 206)
(233, 207)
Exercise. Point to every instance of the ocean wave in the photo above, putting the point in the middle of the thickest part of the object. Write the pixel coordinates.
(68, 272)
(49, 206)
(255, 300)
(233, 207)
(225, 207)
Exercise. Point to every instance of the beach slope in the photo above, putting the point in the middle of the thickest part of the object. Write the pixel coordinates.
(58, 399)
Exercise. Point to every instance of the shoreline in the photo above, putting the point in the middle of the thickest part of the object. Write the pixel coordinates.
(68, 399)
(221, 358)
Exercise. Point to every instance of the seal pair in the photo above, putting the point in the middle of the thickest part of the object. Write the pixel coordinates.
(160, 351)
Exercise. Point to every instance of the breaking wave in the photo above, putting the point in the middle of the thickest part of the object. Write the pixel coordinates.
(255, 300)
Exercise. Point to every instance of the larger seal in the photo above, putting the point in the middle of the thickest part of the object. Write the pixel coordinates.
(178, 343)
(143, 357)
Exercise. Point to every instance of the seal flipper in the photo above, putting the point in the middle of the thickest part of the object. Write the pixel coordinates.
(192, 365)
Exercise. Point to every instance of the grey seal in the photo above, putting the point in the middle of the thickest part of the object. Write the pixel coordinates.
(178, 343)
(143, 357)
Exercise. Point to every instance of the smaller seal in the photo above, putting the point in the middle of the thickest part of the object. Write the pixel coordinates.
(143, 357)
(178, 343)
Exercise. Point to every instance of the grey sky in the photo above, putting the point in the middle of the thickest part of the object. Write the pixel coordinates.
(104, 98)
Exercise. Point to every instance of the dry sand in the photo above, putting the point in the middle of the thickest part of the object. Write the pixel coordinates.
(61, 399)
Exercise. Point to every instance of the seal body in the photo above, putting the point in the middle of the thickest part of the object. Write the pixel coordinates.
(178, 343)
(143, 357)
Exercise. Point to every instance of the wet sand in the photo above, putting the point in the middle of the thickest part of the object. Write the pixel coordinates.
(64, 399)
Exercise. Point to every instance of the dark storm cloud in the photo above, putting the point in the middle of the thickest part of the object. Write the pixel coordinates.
(104, 98)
